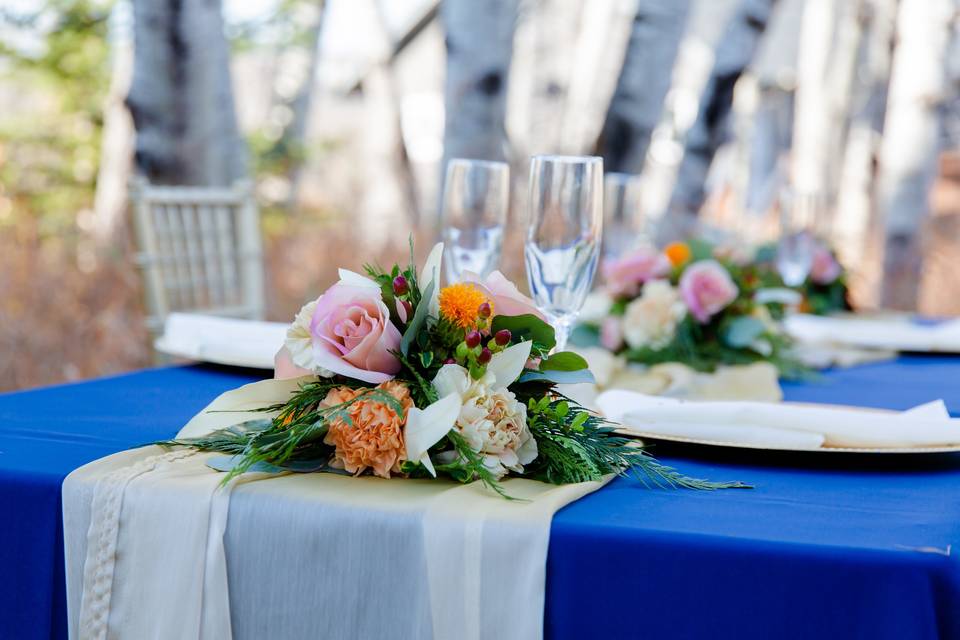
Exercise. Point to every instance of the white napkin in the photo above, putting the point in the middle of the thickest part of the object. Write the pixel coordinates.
(242, 343)
(891, 332)
(783, 426)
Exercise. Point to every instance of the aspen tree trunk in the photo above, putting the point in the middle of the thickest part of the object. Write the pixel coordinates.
(181, 97)
(303, 61)
(918, 85)
(545, 55)
(637, 102)
(855, 194)
(116, 147)
(711, 129)
(479, 40)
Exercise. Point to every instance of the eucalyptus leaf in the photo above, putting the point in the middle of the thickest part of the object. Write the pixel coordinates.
(557, 377)
(526, 327)
(743, 331)
(563, 361)
(419, 317)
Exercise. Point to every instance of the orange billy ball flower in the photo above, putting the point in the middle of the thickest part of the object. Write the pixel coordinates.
(678, 253)
(460, 304)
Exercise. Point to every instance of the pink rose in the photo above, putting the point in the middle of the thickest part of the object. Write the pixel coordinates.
(284, 366)
(352, 335)
(707, 289)
(611, 333)
(825, 268)
(625, 275)
(507, 299)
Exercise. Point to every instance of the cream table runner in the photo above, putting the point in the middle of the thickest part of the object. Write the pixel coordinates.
(155, 549)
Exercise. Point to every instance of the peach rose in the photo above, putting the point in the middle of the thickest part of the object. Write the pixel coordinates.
(373, 439)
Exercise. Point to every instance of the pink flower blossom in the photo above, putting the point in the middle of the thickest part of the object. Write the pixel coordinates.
(352, 335)
(825, 268)
(707, 289)
(624, 276)
(611, 333)
(507, 299)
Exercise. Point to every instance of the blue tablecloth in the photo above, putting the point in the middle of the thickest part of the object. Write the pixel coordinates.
(825, 546)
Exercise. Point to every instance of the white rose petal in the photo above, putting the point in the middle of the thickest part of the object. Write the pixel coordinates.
(299, 342)
(651, 320)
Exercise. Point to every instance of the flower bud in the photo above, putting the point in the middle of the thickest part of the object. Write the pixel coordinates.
(484, 310)
(400, 286)
(449, 361)
(503, 337)
(484, 356)
(473, 339)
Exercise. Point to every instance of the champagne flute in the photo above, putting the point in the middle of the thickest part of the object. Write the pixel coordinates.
(796, 246)
(563, 236)
(476, 197)
(622, 223)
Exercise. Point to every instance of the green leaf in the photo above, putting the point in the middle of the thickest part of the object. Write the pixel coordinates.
(557, 377)
(426, 359)
(526, 327)
(741, 332)
(585, 335)
(563, 361)
(419, 317)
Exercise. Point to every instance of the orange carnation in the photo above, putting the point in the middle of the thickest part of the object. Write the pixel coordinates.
(373, 438)
(678, 253)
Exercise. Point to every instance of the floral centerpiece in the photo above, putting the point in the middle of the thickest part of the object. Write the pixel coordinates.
(825, 289)
(693, 303)
(402, 377)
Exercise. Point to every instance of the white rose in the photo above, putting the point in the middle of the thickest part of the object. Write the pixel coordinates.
(491, 420)
(651, 320)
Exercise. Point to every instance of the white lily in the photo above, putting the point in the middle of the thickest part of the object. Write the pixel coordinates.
(425, 427)
(431, 273)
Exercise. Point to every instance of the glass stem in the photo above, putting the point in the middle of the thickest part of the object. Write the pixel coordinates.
(562, 325)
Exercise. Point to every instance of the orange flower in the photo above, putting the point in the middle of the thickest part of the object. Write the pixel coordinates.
(460, 304)
(678, 253)
(373, 439)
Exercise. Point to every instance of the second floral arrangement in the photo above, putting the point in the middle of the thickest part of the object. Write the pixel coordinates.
(692, 303)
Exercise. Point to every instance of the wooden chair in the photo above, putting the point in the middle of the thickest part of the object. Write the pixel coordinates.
(199, 249)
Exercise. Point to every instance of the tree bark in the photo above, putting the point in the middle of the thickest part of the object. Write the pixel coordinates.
(645, 76)
(479, 41)
(181, 98)
(711, 129)
(911, 142)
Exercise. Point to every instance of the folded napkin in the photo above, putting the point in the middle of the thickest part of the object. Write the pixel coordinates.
(895, 332)
(242, 343)
(785, 426)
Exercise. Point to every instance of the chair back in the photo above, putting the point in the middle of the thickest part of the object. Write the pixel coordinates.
(199, 249)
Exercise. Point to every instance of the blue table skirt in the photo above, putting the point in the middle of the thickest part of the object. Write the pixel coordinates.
(825, 546)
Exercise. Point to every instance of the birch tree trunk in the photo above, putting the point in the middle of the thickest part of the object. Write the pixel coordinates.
(545, 55)
(918, 85)
(711, 129)
(295, 88)
(116, 146)
(479, 40)
(855, 194)
(637, 102)
(181, 97)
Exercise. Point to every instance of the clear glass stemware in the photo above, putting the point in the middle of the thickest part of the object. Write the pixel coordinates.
(476, 196)
(623, 225)
(563, 236)
(797, 243)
